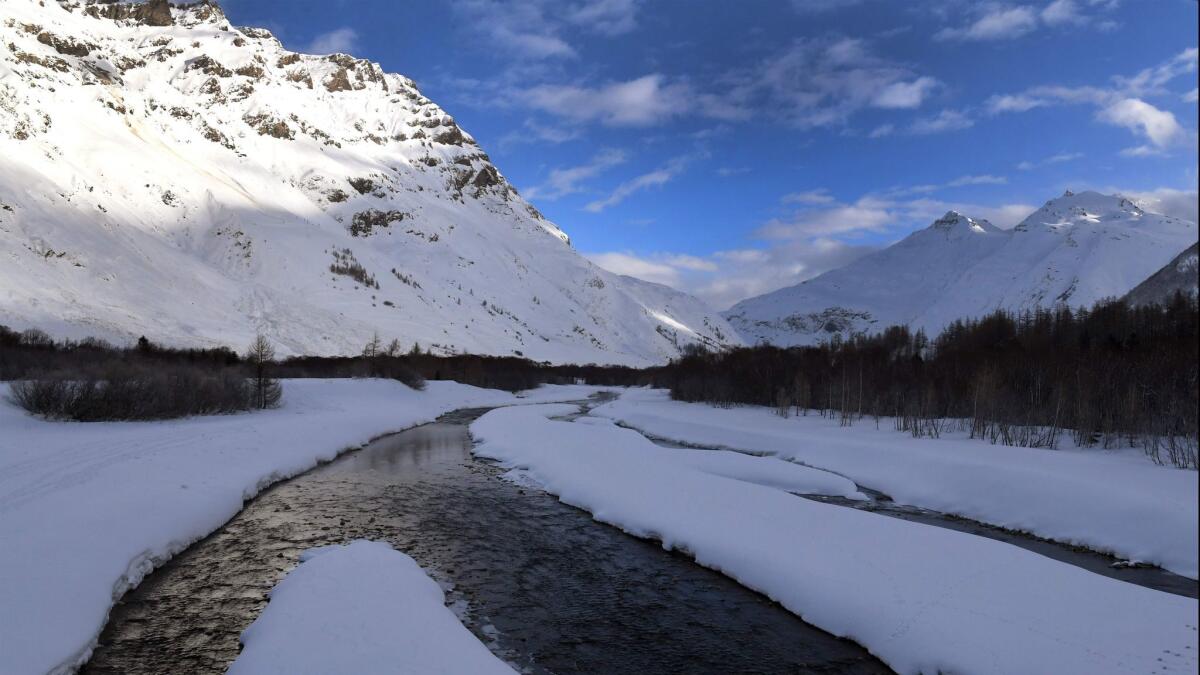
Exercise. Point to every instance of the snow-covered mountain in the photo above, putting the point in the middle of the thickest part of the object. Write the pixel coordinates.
(1075, 250)
(165, 173)
(1181, 274)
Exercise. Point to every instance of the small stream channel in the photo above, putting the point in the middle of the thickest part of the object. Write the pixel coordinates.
(546, 587)
(1098, 563)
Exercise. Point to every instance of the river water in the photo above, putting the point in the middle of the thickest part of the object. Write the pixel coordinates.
(546, 587)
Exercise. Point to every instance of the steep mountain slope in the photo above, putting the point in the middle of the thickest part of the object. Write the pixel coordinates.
(165, 173)
(1076, 249)
(1181, 274)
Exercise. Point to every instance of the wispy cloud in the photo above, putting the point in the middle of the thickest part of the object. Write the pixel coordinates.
(647, 100)
(1122, 104)
(818, 196)
(946, 120)
(336, 41)
(992, 21)
(566, 181)
(818, 82)
(882, 131)
(727, 171)
(536, 29)
(1029, 165)
(995, 23)
(657, 178)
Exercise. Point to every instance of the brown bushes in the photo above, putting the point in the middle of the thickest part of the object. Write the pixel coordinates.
(139, 393)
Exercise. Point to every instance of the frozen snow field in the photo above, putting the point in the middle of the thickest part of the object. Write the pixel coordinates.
(1115, 502)
(360, 608)
(87, 510)
(923, 599)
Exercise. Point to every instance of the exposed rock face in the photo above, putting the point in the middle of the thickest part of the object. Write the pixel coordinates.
(216, 182)
(149, 13)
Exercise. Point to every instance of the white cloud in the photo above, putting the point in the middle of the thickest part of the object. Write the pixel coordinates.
(985, 179)
(817, 238)
(905, 94)
(1153, 80)
(1061, 157)
(818, 196)
(996, 23)
(1004, 21)
(1168, 201)
(727, 171)
(640, 102)
(817, 6)
(657, 178)
(1013, 103)
(868, 214)
(524, 29)
(608, 17)
(1123, 104)
(535, 29)
(337, 41)
(817, 82)
(629, 264)
(725, 277)
(1062, 12)
(921, 212)
(882, 130)
(565, 181)
(946, 120)
(1192, 96)
(1158, 126)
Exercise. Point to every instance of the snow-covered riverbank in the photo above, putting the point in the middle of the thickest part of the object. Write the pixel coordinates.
(87, 510)
(361, 608)
(924, 599)
(1115, 502)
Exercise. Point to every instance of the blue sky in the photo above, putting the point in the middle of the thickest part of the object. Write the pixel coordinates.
(730, 148)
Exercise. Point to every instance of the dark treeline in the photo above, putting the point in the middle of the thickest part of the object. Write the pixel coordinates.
(1109, 375)
(32, 354)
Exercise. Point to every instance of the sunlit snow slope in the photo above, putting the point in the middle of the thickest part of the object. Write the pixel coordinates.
(164, 173)
(1075, 250)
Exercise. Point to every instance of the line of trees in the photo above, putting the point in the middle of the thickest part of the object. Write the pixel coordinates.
(93, 381)
(1105, 376)
(1109, 375)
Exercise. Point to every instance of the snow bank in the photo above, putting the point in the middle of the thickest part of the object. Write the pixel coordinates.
(1116, 502)
(924, 599)
(87, 510)
(361, 608)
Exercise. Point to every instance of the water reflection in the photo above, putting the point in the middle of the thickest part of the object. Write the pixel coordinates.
(547, 588)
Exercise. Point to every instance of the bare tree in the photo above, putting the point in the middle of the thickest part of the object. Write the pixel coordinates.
(261, 355)
(393, 348)
(374, 347)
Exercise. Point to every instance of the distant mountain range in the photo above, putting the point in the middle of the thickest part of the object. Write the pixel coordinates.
(1075, 250)
(164, 173)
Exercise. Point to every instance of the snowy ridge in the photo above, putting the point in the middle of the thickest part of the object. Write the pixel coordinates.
(165, 173)
(1181, 274)
(1075, 250)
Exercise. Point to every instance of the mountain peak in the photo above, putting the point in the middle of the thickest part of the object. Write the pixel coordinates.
(955, 222)
(1079, 207)
(315, 198)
